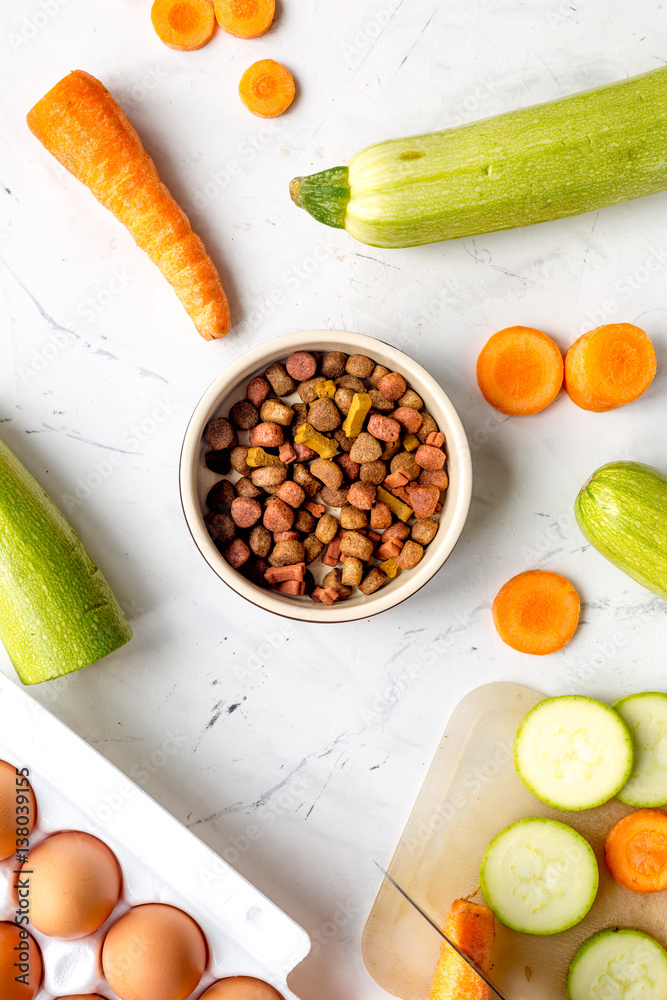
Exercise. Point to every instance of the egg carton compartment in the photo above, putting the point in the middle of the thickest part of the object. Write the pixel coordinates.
(78, 789)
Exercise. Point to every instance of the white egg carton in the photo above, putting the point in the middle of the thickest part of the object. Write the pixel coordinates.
(162, 861)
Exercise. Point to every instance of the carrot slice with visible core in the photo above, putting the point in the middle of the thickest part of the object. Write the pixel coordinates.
(472, 928)
(536, 612)
(267, 88)
(636, 851)
(79, 122)
(245, 18)
(183, 24)
(520, 370)
(609, 366)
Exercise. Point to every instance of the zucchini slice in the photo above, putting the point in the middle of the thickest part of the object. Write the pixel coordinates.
(539, 876)
(573, 752)
(618, 965)
(645, 715)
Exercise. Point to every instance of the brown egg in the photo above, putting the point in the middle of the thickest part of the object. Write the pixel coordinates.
(154, 952)
(17, 946)
(82, 996)
(241, 988)
(75, 884)
(17, 804)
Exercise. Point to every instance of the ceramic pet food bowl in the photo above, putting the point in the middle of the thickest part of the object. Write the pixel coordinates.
(196, 479)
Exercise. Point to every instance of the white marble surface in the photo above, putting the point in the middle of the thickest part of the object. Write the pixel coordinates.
(318, 736)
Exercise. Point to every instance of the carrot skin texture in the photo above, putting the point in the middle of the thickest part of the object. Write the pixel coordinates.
(80, 123)
(472, 928)
(609, 366)
(636, 851)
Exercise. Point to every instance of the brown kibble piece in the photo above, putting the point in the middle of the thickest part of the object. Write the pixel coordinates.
(405, 460)
(254, 569)
(410, 555)
(408, 418)
(372, 581)
(379, 402)
(257, 390)
(333, 581)
(302, 476)
(281, 383)
(246, 488)
(384, 428)
(300, 415)
(343, 400)
(354, 544)
(244, 415)
(424, 530)
(344, 442)
(353, 570)
(313, 547)
(429, 457)
(273, 411)
(308, 388)
(291, 493)
(246, 512)
(359, 365)
(237, 553)
(324, 415)
(390, 449)
(373, 472)
(304, 453)
(300, 365)
(327, 528)
(218, 461)
(278, 516)
(365, 449)
(361, 495)
(350, 468)
(378, 372)
(220, 495)
(269, 477)
(267, 435)
(380, 516)
(350, 382)
(328, 472)
(412, 399)
(305, 521)
(334, 498)
(434, 477)
(220, 527)
(220, 434)
(428, 427)
(351, 518)
(423, 499)
(260, 541)
(287, 553)
(392, 386)
(239, 456)
(333, 364)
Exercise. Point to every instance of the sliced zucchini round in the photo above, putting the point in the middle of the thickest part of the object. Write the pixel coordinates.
(645, 715)
(539, 876)
(573, 752)
(618, 965)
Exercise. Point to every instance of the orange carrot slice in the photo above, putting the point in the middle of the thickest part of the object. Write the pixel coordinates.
(79, 122)
(536, 612)
(245, 18)
(520, 370)
(636, 851)
(472, 928)
(267, 88)
(608, 367)
(183, 24)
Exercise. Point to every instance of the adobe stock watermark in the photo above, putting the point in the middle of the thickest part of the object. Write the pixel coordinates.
(625, 288)
(90, 307)
(32, 24)
(364, 37)
(140, 774)
(272, 643)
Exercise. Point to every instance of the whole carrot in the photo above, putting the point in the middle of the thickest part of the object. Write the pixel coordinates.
(80, 123)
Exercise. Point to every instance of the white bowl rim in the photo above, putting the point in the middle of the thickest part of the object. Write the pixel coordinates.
(383, 599)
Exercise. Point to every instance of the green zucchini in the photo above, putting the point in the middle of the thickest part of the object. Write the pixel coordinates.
(572, 155)
(622, 511)
(618, 964)
(57, 612)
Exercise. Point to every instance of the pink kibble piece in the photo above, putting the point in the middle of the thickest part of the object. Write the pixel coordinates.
(361, 495)
(291, 493)
(287, 452)
(278, 516)
(384, 428)
(245, 511)
(409, 418)
(435, 438)
(429, 457)
(266, 435)
(301, 365)
(237, 553)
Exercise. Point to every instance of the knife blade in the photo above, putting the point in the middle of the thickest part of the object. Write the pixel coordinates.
(482, 975)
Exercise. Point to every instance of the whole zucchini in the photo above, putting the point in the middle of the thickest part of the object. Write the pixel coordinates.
(622, 511)
(568, 156)
(57, 612)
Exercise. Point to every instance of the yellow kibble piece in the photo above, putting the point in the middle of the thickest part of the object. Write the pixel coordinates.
(396, 506)
(257, 458)
(325, 446)
(411, 442)
(390, 567)
(326, 390)
(354, 421)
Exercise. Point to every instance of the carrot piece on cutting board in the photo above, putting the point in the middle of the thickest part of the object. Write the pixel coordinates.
(520, 370)
(80, 123)
(245, 18)
(472, 928)
(183, 24)
(636, 851)
(267, 88)
(609, 366)
(536, 612)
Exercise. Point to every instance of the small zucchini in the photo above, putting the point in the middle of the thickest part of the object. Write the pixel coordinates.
(569, 156)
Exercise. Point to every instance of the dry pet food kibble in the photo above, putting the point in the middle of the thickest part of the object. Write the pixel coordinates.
(330, 461)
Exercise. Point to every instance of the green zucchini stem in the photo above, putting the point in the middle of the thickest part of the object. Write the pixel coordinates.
(324, 195)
